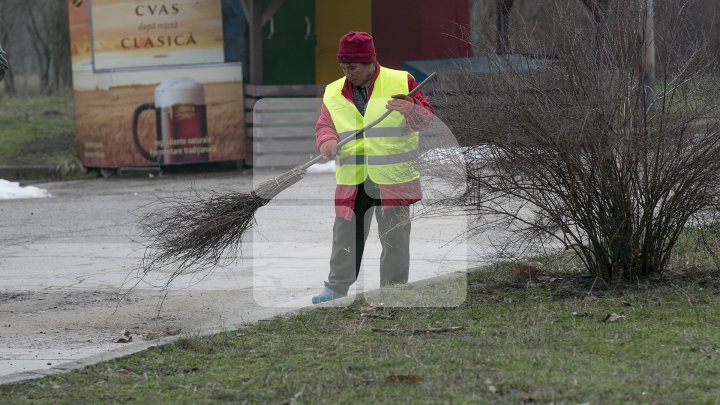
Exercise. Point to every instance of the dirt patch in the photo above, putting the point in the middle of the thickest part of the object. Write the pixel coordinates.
(42, 329)
(574, 286)
(44, 151)
(57, 143)
(49, 316)
(11, 296)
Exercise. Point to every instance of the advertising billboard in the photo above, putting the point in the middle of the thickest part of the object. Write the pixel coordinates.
(142, 33)
(152, 85)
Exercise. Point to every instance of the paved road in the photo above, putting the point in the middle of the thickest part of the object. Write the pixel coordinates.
(66, 263)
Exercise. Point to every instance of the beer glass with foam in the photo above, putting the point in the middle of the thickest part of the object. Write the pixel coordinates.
(180, 123)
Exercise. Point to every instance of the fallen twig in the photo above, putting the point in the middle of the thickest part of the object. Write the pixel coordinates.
(371, 315)
(418, 331)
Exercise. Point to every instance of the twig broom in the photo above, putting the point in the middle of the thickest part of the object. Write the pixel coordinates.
(190, 234)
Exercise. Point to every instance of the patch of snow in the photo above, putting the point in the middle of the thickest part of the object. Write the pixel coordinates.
(327, 167)
(10, 190)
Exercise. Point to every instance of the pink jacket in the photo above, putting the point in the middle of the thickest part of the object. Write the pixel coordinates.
(391, 195)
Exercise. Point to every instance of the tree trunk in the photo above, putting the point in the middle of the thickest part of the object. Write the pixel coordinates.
(39, 44)
(8, 17)
(62, 59)
(9, 83)
(503, 24)
(648, 52)
(600, 11)
(482, 34)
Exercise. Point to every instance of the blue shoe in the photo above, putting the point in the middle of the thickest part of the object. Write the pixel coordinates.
(326, 295)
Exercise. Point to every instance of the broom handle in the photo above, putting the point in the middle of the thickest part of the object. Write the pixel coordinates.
(318, 158)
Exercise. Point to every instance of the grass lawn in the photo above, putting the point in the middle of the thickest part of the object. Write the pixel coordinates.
(37, 129)
(527, 342)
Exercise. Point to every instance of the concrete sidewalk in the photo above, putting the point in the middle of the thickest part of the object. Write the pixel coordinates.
(67, 264)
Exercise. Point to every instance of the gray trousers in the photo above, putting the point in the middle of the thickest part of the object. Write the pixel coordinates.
(349, 242)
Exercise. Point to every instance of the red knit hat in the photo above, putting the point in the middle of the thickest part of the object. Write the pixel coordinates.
(356, 47)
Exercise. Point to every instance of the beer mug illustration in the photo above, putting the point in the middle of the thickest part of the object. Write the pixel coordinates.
(180, 123)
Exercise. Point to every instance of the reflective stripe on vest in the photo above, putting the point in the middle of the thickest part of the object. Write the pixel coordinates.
(380, 133)
(406, 158)
(387, 153)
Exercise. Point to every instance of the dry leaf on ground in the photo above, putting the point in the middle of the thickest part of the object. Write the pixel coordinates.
(614, 318)
(125, 337)
(409, 379)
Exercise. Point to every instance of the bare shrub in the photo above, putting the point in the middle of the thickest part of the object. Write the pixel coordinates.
(569, 151)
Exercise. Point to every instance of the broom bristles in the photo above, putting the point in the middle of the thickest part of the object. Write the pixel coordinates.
(190, 234)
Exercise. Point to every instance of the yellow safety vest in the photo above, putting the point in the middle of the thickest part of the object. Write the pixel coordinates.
(387, 153)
